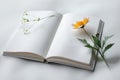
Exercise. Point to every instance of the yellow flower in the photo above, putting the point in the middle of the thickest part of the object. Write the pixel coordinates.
(81, 23)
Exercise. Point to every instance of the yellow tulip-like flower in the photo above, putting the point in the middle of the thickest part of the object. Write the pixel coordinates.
(81, 23)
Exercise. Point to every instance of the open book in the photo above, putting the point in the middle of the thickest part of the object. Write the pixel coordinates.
(49, 36)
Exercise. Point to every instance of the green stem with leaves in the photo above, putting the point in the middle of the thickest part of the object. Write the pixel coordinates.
(99, 46)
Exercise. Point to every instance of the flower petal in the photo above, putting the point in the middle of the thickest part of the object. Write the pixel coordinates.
(78, 24)
(85, 21)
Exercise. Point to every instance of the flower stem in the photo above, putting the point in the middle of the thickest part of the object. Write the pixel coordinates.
(88, 34)
(103, 58)
(98, 49)
(47, 17)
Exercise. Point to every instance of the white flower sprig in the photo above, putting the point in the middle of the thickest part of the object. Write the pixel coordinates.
(26, 20)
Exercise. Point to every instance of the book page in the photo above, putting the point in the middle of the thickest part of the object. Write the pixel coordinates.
(40, 28)
(66, 43)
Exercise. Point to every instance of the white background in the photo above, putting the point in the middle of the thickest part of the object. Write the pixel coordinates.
(19, 69)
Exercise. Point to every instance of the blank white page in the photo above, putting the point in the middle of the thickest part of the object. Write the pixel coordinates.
(39, 39)
(66, 43)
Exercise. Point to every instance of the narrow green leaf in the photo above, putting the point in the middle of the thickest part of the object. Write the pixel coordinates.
(108, 37)
(96, 41)
(91, 47)
(108, 47)
(83, 41)
(105, 40)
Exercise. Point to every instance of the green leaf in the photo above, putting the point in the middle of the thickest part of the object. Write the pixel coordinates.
(105, 40)
(83, 41)
(108, 47)
(96, 41)
(108, 37)
(87, 44)
(91, 47)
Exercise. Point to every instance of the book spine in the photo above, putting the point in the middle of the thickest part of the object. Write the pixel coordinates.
(100, 31)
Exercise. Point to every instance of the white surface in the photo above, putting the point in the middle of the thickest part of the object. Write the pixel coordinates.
(19, 69)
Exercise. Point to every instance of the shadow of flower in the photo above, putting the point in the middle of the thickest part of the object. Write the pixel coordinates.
(112, 61)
